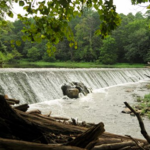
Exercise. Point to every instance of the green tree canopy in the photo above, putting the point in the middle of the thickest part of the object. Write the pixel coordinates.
(51, 18)
(108, 51)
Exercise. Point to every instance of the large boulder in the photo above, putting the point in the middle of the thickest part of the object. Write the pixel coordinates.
(73, 92)
(73, 89)
(81, 87)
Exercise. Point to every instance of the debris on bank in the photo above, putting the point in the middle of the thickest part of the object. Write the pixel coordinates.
(22, 130)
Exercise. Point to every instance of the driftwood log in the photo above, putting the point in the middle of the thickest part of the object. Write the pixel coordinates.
(114, 146)
(11, 101)
(16, 126)
(23, 107)
(90, 135)
(22, 130)
(9, 144)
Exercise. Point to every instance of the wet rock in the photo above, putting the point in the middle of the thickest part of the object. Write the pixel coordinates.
(73, 89)
(132, 114)
(126, 111)
(129, 90)
(139, 111)
(73, 93)
(81, 87)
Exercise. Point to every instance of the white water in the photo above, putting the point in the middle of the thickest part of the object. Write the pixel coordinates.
(103, 105)
(37, 85)
(111, 87)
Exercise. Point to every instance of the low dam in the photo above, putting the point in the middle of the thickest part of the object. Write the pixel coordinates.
(37, 85)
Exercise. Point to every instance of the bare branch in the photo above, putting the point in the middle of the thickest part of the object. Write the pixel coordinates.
(143, 131)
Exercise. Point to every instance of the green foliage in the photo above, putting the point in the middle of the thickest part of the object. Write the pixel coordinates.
(33, 54)
(5, 8)
(144, 105)
(52, 23)
(131, 39)
(46, 58)
(108, 51)
(5, 57)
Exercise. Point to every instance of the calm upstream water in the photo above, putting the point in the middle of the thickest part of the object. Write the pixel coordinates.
(41, 88)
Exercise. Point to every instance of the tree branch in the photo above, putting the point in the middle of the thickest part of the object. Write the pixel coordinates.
(143, 131)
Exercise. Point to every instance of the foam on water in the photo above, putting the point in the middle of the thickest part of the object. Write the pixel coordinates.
(102, 106)
(37, 85)
(42, 89)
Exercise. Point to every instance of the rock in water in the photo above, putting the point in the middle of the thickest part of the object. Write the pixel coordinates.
(73, 89)
(73, 93)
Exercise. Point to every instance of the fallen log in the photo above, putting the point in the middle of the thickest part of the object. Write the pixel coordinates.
(13, 101)
(107, 136)
(87, 137)
(49, 125)
(36, 111)
(114, 146)
(16, 124)
(108, 141)
(9, 144)
(45, 117)
(23, 107)
(19, 128)
(60, 118)
(10, 100)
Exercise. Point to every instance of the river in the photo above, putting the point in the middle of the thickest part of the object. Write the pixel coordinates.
(111, 88)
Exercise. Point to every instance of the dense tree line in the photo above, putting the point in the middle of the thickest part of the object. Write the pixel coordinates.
(128, 43)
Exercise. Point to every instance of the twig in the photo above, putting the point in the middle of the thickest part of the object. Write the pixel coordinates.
(143, 131)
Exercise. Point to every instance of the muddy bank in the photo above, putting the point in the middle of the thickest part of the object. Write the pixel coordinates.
(104, 105)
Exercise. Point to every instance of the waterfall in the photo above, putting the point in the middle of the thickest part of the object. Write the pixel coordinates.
(36, 85)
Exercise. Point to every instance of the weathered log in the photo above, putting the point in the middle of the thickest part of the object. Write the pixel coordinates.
(8, 144)
(36, 111)
(42, 116)
(60, 118)
(107, 136)
(18, 127)
(90, 135)
(23, 107)
(28, 127)
(13, 101)
(108, 140)
(10, 102)
(48, 125)
(114, 146)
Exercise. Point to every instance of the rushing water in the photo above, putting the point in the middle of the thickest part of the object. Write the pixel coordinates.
(37, 85)
(103, 105)
(111, 87)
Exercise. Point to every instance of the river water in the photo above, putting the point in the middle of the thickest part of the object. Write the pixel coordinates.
(103, 105)
(41, 88)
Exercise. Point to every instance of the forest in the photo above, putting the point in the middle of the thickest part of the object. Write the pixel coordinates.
(129, 43)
